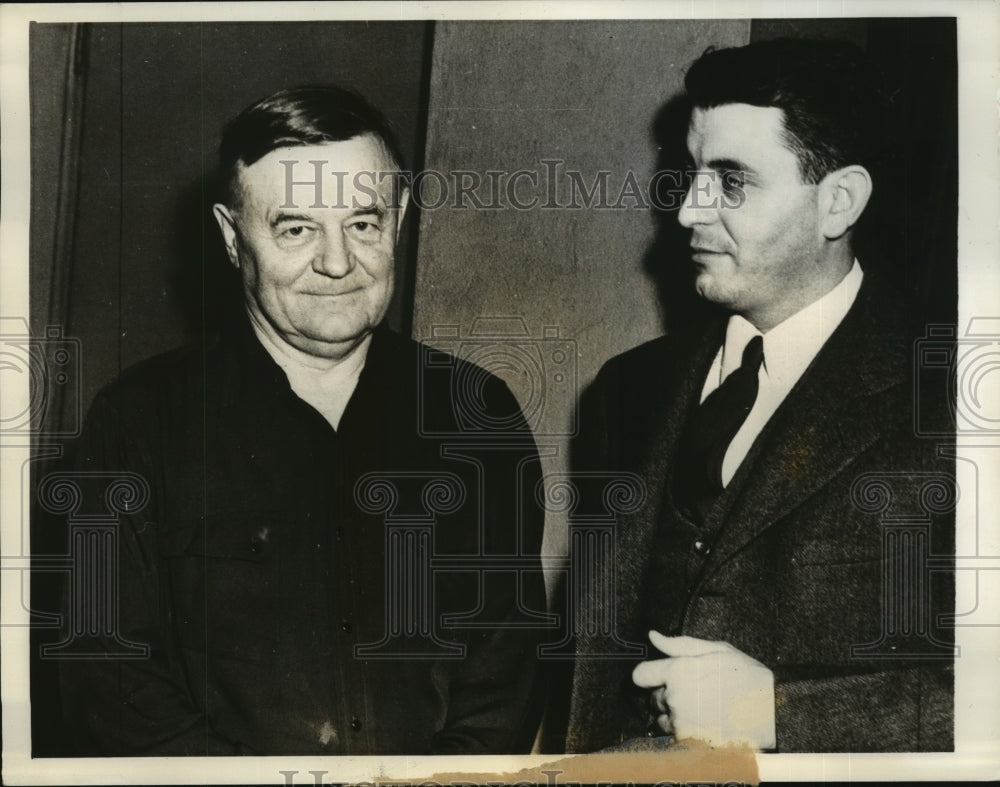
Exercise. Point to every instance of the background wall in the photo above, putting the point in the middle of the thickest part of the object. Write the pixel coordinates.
(506, 96)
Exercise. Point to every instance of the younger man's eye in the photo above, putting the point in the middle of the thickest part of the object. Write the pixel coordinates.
(733, 180)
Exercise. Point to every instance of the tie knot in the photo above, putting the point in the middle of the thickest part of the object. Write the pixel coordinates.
(753, 354)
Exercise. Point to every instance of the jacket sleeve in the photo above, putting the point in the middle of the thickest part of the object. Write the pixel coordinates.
(115, 700)
(889, 710)
(895, 693)
(495, 695)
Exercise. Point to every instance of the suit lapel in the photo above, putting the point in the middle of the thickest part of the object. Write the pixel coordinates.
(679, 393)
(823, 424)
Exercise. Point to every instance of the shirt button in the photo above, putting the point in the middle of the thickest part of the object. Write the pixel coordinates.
(345, 626)
(340, 533)
(355, 724)
(701, 548)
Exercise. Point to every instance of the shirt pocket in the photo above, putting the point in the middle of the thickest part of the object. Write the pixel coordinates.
(224, 586)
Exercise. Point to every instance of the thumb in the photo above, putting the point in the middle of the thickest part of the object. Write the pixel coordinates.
(685, 646)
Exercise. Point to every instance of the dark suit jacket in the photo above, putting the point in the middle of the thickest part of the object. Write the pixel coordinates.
(800, 543)
(262, 561)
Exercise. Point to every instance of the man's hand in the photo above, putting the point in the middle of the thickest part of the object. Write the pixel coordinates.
(709, 690)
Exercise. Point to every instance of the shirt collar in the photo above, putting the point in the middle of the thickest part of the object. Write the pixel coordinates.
(251, 372)
(790, 346)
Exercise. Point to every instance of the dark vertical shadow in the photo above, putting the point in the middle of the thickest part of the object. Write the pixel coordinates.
(912, 221)
(406, 271)
(205, 287)
(49, 536)
(667, 260)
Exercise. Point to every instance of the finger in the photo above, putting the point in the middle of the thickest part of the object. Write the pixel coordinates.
(686, 646)
(652, 674)
(658, 700)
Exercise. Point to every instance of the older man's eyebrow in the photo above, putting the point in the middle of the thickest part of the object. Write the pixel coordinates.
(375, 211)
(281, 217)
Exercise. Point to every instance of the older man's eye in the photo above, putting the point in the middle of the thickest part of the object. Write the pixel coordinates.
(292, 235)
(365, 230)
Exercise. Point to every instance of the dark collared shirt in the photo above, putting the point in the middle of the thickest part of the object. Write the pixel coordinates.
(273, 547)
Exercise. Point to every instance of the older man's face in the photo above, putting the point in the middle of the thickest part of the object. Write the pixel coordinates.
(756, 241)
(316, 260)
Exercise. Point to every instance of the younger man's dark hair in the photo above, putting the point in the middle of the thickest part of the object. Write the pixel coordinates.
(832, 96)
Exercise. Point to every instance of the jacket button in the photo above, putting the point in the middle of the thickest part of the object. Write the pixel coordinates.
(355, 724)
(345, 626)
(701, 548)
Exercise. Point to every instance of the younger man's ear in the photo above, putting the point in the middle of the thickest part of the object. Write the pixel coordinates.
(845, 194)
(228, 227)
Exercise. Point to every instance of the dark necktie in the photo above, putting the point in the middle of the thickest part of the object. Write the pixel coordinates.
(703, 445)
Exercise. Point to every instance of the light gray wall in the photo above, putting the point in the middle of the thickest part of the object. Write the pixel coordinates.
(505, 96)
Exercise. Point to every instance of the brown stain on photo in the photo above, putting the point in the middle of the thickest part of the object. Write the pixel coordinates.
(692, 762)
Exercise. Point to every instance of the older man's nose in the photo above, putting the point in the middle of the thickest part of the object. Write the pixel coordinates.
(333, 258)
(701, 201)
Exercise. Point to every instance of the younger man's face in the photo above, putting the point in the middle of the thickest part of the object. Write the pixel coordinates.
(756, 239)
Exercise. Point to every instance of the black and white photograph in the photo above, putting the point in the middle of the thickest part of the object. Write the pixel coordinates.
(506, 392)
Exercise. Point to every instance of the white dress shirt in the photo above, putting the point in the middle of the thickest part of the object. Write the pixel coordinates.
(789, 348)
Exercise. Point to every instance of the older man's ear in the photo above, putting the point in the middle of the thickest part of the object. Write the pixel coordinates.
(404, 201)
(227, 225)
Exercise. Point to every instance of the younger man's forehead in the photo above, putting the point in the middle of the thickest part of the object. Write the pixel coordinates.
(736, 131)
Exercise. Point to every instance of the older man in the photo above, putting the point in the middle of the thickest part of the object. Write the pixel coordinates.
(306, 469)
(782, 567)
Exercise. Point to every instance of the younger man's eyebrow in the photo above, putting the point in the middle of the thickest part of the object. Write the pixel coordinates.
(729, 164)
